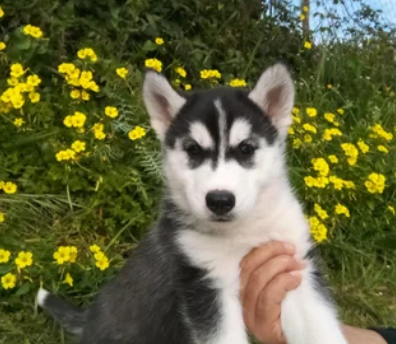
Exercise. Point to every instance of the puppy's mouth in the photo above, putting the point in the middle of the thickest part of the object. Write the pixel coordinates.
(223, 218)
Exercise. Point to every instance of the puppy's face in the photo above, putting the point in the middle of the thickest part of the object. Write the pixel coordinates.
(223, 146)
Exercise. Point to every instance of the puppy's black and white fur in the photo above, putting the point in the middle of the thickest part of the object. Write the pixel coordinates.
(227, 192)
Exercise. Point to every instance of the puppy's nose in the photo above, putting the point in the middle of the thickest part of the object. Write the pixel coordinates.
(220, 202)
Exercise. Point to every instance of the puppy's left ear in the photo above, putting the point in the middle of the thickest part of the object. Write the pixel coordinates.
(274, 94)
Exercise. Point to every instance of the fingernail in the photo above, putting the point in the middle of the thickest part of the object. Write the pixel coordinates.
(295, 273)
(288, 247)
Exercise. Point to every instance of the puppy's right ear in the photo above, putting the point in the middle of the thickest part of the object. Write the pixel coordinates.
(162, 102)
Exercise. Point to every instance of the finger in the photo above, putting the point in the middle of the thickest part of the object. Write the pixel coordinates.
(260, 278)
(260, 255)
(268, 306)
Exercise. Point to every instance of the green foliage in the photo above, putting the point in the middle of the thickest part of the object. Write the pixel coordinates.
(108, 194)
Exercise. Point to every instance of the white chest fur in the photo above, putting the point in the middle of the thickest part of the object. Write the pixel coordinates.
(221, 255)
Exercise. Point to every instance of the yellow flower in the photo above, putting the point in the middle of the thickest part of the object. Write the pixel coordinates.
(291, 131)
(305, 9)
(4, 256)
(329, 117)
(82, 54)
(351, 152)
(78, 119)
(62, 155)
(307, 138)
(66, 68)
(12, 81)
(34, 97)
(87, 52)
(1, 219)
(311, 112)
(98, 127)
(159, 41)
(8, 281)
(363, 146)
(238, 83)
(329, 133)
(341, 111)
(320, 233)
(111, 111)
(210, 73)
(390, 208)
(375, 183)
(100, 135)
(302, 16)
(73, 254)
(24, 259)
(33, 31)
(75, 94)
(17, 70)
(93, 86)
(3, 45)
(1, 12)
(18, 122)
(78, 146)
(187, 87)
(94, 248)
(379, 131)
(383, 149)
(338, 183)
(68, 280)
(318, 230)
(137, 133)
(62, 255)
(10, 188)
(321, 166)
(102, 263)
(342, 209)
(307, 45)
(297, 143)
(85, 95)
(310, 127)
(33, 80)
(68, 121)
(296, 111)
(154, 64)
(320, 211)
(333, 159)
(329, 86)
(122, 72)
(309, 181)
(181, 71)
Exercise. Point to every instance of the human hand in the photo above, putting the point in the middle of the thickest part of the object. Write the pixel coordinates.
(268, 272)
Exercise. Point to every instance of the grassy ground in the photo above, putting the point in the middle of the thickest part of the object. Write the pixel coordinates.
(366, 297)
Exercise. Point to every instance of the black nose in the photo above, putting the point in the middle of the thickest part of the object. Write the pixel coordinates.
(220, 202)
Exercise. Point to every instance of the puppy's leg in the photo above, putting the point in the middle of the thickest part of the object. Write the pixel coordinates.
(308, 316)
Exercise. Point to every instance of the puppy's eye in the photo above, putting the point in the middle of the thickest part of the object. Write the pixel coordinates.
(193, 150)
(246, 149)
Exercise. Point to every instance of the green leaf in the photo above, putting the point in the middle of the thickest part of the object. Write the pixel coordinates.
(149, 46)
(24, 289)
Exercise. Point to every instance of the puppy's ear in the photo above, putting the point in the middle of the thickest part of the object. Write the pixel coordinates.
(162, 102)
(274, 94)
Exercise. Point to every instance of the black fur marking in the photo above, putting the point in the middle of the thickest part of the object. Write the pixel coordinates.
(158, 297)
(236, 104)
(320, 282)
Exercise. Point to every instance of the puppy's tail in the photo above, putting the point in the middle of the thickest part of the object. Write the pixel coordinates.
(70, 317)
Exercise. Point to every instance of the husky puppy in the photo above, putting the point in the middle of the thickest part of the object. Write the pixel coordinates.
(226, 192)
